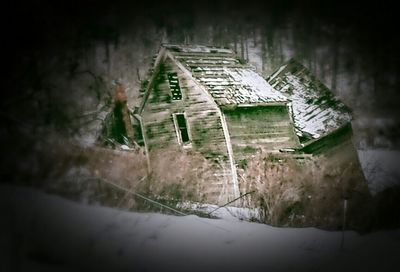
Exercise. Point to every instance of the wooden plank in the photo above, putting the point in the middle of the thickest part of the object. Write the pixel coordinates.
(231, 158)
(200, 55)
(205, 57)
(143, 131)
(193, 66)
(160, 57)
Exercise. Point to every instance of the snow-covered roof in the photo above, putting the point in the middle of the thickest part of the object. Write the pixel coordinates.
(197, 48)
(229, 81)
(315, 110)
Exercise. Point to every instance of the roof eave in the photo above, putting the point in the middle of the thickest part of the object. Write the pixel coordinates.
(160, 58)
(234, 106)
(344, 127)
(275, 103)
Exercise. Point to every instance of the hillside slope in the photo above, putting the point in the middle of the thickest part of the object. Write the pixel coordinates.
(47, 233)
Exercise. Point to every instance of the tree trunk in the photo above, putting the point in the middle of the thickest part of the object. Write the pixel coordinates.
(335, 64)
(263, 52)
(254, 32)
(235, 41)
(241, 45)
(247, 49)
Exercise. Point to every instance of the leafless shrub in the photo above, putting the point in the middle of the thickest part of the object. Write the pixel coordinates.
(74, 171)
(307, 193)
(273, 183)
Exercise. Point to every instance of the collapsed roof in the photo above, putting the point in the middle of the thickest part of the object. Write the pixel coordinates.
(226, 78)
(315, 110)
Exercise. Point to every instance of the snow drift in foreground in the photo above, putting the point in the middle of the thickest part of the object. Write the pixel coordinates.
(48, 233)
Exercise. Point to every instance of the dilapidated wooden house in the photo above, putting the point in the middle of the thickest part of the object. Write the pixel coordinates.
(207, 100)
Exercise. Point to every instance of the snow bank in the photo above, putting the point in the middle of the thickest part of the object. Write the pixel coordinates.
(227, 212)
(68, 236)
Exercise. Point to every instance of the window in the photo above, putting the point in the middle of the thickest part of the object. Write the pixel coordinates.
(174, 86)
(181, 128)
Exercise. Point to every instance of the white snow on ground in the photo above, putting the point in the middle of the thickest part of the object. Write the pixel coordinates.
(227, 212)
(380, 167)
(68, 236)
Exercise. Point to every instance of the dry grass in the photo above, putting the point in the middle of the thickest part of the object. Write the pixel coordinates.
(309, 193)
(73, 171)
(289, 193)
(178, 175)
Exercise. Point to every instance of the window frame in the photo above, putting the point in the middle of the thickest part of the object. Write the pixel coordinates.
(178, 85)
(187, 144)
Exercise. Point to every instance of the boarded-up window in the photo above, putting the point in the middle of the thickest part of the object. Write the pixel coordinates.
(174, 86)
(181, 128)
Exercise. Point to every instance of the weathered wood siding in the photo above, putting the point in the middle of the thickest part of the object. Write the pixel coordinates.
(203, 119)
(266, 128)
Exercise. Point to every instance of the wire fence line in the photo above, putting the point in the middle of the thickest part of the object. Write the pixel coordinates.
(129, 191)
